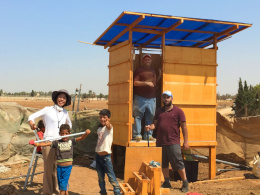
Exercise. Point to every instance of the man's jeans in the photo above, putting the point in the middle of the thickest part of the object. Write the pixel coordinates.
(143, 107)
(104, 165)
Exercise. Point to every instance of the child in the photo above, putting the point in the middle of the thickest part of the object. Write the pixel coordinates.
(64, 152)
(103, 153)
(41, 130)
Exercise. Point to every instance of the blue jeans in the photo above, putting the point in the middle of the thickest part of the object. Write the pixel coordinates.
(104, 165)
(143, 107)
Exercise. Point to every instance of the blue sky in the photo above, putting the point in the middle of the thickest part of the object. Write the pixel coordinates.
(39, 48)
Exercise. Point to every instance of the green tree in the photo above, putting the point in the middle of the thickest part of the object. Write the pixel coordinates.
(1, 92)
(33, 93)
(246, 101)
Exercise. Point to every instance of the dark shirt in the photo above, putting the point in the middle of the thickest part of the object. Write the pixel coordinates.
(143, 74)
(168, 125)
(64, 150)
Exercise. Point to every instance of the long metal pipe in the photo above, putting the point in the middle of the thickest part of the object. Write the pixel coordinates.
(58, 138)
(222, 161)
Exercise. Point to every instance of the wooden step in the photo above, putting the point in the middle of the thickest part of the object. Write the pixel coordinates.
(126, 189)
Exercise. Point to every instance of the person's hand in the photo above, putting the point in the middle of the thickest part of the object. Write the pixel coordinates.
(185, 146)
(87, 132)
(31, 142)
(108, 124)
(150, 84)
(147, 127)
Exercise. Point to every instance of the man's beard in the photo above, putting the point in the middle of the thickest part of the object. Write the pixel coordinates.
(167, 104)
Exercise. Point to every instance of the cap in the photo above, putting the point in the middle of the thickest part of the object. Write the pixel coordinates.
(167, 93)
(147, 55)
(56, 93)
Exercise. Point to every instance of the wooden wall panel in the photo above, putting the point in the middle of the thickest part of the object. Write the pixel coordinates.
(120, 91)
(190, 74)
(122, 133)
(191, 94)
(119, 73)
(199, 114)
(188, 55)
(201, 133)
(119, 55)
(120, 112)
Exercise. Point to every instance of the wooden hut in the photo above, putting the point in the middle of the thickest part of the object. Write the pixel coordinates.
(186, 50)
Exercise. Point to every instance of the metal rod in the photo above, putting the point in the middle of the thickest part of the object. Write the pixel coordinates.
(229, 169)
(52, 139)
(221, 161)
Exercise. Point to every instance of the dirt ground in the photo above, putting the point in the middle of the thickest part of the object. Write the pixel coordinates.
(84, 180)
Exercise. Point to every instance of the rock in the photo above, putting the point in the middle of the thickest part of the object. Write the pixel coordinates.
(8, 190)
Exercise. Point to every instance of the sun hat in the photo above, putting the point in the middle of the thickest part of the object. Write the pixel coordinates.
(56, 93)
(167, 93)
(147, 55)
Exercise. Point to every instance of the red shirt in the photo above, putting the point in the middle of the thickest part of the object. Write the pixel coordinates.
(40, 135)
(168, 125)
(143, 74)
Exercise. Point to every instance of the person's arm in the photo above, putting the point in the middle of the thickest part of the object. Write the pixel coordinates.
(35, 115)
(108, 124)
(152, 126)
(83, 136)
(143, 83)
(185, 135)
(42, 144)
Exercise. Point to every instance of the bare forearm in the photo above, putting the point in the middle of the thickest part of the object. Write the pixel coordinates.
(143, 83)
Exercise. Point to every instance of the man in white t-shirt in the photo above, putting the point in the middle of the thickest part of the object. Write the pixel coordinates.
(103, 153)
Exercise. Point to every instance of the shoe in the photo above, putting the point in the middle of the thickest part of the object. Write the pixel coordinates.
(166, 185)
(138, 138)
(151, 138)
(185, 186)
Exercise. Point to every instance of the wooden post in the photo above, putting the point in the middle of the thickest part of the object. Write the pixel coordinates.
(212, 162)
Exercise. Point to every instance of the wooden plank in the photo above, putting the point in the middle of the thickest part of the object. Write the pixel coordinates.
(176, 24)
(147, 31)
(212, 162)
(120, 55)
(127, 189)
(119, 142)
(124, 31)
(134, 158)
(143, 143)
(201, 144)
(220, 180)
(118, 45)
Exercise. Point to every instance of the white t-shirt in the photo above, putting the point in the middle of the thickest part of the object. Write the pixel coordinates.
(105, 139)
(52, 120)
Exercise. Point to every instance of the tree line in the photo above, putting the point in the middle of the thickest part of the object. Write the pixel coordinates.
(247, 100)
(33, 93)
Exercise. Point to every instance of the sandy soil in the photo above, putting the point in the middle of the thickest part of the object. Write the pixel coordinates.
(84, 180)
(87, 104)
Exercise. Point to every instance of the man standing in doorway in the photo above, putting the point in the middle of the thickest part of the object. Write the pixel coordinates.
(144, 97)
(168, 120)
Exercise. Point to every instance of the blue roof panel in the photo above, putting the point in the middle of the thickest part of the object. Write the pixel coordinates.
(180, 31)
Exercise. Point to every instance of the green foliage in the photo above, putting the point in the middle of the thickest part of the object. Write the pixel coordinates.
(1, 92)
(246, 102)
(33, 93)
